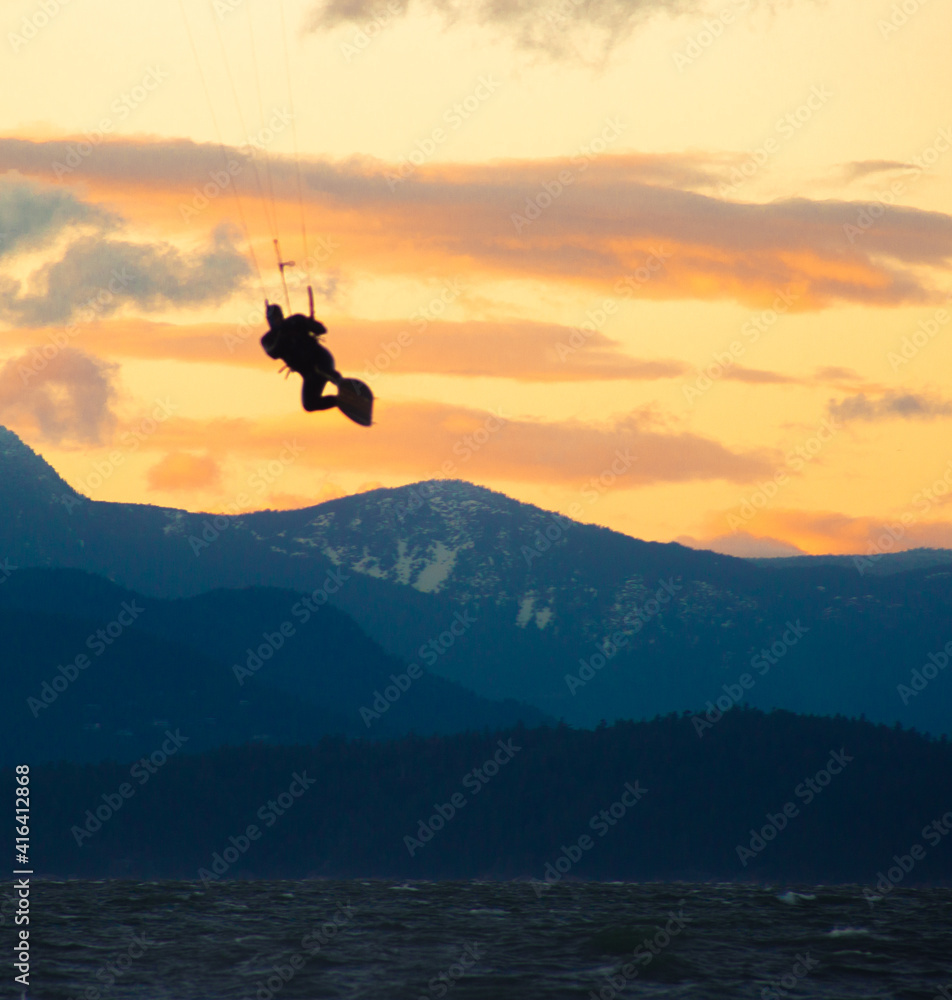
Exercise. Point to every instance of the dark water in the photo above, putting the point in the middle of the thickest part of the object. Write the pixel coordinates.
(487, 940)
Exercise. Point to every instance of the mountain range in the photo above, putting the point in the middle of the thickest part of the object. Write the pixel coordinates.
(105, 673)
(518, 612)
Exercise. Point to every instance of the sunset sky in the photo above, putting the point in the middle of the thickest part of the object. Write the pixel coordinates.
(676, 268)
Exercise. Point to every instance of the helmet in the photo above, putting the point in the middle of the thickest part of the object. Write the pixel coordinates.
(274, 315)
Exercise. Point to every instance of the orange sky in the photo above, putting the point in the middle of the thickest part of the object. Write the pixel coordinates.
(694, 281)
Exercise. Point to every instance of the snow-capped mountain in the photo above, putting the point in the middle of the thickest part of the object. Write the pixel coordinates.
(512, 601)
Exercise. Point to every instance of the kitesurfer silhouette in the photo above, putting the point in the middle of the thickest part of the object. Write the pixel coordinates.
(295, 341)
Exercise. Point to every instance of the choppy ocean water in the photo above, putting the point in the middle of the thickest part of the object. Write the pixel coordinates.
(487, 940)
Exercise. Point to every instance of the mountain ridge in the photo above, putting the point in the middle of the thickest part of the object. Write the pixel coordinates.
(579, 621)
(97, 663)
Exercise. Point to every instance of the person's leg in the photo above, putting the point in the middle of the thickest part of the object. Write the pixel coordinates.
(312, 397)
(324, 361)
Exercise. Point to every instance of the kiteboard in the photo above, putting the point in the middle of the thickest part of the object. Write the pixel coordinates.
(355, 400)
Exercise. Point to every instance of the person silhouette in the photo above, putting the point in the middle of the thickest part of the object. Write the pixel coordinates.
(294, 341)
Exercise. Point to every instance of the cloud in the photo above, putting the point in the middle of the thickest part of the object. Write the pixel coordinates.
(743, 545)
(68, 400)
(32, 214)
(835, 533)
(297, 501)
(863, 168)
(537, 352)
(96, 277)
(431, 440)
(836, 373)
(549, 26)
(609, 214)
(908, 406)
(184, 471)
(608, 218)
(146, 166)
(515, 349)
(758, 376)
